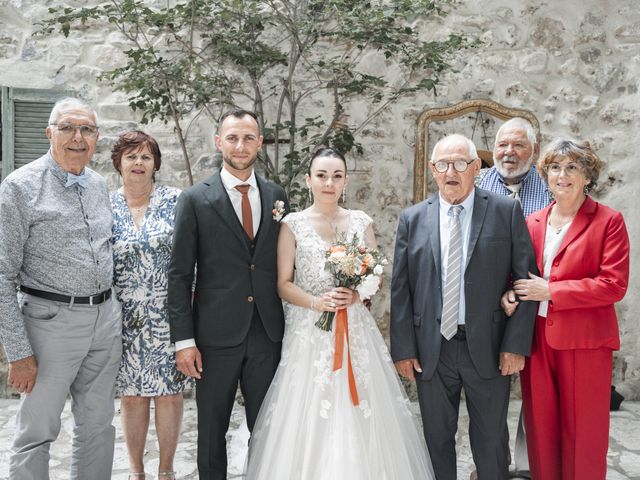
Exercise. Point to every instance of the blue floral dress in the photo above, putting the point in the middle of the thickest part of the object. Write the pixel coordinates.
(141, 263)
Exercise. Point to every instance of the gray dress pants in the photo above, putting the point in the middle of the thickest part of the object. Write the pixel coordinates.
(78, 350)
(487, 402)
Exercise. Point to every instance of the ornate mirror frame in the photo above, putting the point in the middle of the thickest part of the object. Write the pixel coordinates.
(420, 167)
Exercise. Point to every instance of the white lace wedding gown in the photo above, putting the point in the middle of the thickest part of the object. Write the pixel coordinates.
(307, 428)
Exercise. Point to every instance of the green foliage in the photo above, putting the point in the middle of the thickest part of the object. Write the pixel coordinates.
(278, 57)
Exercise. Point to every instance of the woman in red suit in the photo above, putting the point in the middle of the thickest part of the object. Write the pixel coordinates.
(582, 248)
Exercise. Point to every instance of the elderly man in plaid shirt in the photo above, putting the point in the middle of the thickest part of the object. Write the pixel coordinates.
(514, 174)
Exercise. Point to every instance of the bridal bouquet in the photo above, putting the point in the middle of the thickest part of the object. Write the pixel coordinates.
(352, 265)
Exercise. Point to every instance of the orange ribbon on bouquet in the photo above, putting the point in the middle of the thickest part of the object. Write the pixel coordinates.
(342, 329)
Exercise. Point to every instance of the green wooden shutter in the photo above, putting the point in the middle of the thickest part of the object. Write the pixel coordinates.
(30, 122)
(25, 115)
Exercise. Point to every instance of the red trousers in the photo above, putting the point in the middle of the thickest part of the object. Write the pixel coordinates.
(566, 395)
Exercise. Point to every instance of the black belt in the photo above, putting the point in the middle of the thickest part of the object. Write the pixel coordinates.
(56, 297)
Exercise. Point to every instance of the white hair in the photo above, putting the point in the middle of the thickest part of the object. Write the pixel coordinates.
(455, 138)
(520, 124)
(70, 102)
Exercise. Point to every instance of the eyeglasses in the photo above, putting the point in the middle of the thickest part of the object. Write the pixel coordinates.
(68, 130)
(460, 165)
(571, 169)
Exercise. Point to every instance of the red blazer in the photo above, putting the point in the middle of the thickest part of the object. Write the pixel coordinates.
(588, 275)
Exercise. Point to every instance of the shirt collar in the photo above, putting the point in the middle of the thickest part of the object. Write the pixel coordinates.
(467, 204)
(230, 182)
(59, 172)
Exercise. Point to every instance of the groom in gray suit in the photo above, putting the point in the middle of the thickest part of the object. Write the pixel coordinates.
(231, 330)
(456, 254)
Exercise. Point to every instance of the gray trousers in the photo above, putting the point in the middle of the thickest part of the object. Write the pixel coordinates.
(78, 350)
(487, 401)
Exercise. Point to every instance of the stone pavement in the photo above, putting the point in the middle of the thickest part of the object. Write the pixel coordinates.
(623, 458)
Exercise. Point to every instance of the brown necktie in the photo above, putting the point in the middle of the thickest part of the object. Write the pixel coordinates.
(247, 216)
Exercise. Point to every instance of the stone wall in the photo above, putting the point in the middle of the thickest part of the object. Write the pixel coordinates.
(574, 64)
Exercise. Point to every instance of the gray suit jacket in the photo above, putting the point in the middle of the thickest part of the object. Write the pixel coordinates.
(500, 251)
(234, 274)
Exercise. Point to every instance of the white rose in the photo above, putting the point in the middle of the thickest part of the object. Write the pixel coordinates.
(378, 269)
(368, 287)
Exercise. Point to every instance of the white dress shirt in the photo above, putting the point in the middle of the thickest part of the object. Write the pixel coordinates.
(230, 182)
(446, 220)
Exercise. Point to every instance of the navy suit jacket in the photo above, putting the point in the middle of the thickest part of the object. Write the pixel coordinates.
(499, 251)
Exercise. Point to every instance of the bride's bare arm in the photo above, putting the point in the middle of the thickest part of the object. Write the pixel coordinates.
(289, 291)
(370, 237)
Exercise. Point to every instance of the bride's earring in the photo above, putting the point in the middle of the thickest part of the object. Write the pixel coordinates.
(309, 191)
(344, 194)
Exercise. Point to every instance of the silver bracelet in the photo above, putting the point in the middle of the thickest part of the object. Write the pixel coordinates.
(313, 301)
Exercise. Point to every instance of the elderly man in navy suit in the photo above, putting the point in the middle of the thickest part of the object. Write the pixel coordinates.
(456, 254)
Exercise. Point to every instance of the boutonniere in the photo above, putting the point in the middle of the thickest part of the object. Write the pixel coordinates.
(278, 210)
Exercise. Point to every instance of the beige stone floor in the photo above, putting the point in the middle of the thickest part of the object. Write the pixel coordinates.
(623, 458)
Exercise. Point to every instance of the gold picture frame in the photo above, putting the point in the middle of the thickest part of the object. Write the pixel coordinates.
(489, 107)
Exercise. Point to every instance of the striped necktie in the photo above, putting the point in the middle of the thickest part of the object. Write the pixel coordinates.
(451, 303)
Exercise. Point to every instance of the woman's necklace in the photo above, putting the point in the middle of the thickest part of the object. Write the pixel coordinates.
(138, 212)
(560, 220)
(139, 209)
(557, 229)
(563, 223)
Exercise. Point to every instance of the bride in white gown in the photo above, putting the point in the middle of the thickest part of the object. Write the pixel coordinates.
(308, 427)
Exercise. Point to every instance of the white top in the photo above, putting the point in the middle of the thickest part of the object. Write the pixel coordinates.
(552, 241)
(446, 220)
(230, 182)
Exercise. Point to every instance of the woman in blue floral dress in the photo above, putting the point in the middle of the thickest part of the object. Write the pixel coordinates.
(142, 238)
